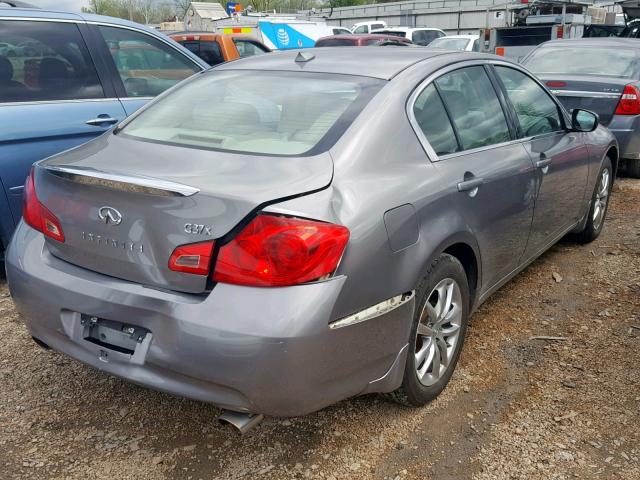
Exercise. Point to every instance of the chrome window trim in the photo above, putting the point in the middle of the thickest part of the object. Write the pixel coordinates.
(456, 66)
(40, 19)
(57, 102)
(127, 99)
(585, 93)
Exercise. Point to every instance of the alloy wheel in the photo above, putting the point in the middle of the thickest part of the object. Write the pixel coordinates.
(601, 198)
(438, 331)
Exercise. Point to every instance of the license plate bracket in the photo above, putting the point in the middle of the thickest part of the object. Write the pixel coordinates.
(118, 336)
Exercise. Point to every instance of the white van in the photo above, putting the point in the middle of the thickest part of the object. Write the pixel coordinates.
(367, 27)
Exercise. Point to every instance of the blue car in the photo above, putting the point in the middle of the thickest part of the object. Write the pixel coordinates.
(66, 78)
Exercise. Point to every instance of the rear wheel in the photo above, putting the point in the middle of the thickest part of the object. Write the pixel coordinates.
(633, 168)
(438, 331)
(599, 204)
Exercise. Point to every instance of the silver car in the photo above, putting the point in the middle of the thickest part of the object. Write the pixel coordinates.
(283, 232)
(601, 75)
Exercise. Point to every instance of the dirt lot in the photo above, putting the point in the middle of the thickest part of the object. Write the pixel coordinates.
(517, 407)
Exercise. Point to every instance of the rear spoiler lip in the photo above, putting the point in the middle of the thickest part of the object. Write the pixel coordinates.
(162, 187)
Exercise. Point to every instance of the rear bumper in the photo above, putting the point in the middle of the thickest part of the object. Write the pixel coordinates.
(627, 131)
(248, 349)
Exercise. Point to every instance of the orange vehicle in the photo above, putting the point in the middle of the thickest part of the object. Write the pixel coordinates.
(215, 48)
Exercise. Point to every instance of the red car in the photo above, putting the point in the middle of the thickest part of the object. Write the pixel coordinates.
(362, 40)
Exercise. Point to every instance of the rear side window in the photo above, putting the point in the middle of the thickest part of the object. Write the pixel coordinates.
(434, 122)
(247, 48)
(146, 65)
(249, 111)
(376, 26)
(474, 107)
(43, 61)
(336, 42)
(537, 112)
(209, 51)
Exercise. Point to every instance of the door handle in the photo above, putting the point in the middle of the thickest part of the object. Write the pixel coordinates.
(470, 184)
(99, 121)
(543, 163)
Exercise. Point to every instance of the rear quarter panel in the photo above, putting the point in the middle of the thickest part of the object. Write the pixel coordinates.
(380, 165)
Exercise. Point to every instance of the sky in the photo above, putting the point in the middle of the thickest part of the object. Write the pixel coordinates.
(67, 5)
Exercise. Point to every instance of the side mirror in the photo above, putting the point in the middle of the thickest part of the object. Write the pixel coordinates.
(583, 120)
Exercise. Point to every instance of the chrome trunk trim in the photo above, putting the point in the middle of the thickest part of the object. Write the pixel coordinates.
(117, 181)
(585, 94)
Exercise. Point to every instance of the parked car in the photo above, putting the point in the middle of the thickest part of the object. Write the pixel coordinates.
(419, 36)
(360, 40)
(469, 43)
(276, 263)
(217, 48)
(340, 31)
(73, 77)
(368, 27)
(599, 74)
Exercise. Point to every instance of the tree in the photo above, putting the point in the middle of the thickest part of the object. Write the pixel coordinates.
(181, 7)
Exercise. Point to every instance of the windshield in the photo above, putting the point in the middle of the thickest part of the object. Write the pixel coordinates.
(583, 61)
(273, 113)
(450, 43)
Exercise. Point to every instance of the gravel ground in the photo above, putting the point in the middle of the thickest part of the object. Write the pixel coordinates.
(517, 407)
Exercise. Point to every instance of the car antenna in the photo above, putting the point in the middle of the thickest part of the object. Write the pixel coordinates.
(304, 57)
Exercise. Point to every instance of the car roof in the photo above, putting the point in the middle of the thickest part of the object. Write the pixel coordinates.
(376, 62)
(612, 42)
(406, 29)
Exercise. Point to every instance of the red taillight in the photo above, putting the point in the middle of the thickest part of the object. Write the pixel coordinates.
(560, 32)
(37, 215)
(279, 251)
(192, 258)
(556, 84)
(629, 103)
(500, 51)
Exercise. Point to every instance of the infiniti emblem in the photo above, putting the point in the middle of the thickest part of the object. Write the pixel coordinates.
(110, 215)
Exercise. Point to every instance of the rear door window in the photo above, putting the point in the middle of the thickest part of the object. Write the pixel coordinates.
(361, 29)
(247, 48)
(432, 119)
(146, 65)
(537, 112)
(45, 61)
(474, 107)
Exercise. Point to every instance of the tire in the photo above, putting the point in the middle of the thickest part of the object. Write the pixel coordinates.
(600, 201)
(633, 168)
(444, 273)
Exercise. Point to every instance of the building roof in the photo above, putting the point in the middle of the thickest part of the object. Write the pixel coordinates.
(209, 10)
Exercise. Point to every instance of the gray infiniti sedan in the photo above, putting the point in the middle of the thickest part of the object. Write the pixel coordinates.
(283, 232)
(601, 75)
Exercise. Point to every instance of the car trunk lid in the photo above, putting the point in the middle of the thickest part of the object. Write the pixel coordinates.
(597, 94)
(124, 205)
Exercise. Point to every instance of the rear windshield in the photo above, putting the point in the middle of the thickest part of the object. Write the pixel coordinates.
(450, 43)
(336, 42)
(611, 62)
(395, 33)
(271, 113)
